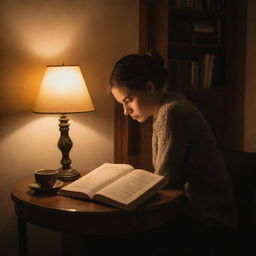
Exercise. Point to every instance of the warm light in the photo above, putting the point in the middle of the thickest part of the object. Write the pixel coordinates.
(63, 90)
(45, 29)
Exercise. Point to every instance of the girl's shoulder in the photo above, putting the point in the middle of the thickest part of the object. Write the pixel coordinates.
(177, 106)
(173, 104)
(173, 101)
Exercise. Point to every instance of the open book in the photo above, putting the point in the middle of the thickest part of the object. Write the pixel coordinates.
(118, 185)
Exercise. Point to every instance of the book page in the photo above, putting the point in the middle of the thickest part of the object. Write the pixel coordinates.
(128, 188)
(98, 178)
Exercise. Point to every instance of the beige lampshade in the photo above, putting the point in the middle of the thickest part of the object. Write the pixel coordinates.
(63, 90)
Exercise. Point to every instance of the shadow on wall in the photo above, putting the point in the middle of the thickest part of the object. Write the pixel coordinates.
(12, 122)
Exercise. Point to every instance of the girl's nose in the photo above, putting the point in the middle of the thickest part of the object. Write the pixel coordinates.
(127, 110)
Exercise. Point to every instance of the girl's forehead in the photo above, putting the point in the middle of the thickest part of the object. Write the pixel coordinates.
(121, 89)
(121, 92)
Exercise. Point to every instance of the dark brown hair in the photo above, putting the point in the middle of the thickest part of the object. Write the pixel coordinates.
(134, 70)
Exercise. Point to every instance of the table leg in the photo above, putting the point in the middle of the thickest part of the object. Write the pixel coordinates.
(22, 236)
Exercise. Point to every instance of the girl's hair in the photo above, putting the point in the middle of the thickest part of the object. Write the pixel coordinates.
(134, 70)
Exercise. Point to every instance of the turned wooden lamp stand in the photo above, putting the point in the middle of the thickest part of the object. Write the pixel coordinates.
(66, 172)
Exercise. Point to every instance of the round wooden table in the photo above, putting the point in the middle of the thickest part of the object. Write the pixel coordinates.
(67, 214)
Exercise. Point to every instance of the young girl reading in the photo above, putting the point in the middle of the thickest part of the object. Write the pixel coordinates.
(184, 147)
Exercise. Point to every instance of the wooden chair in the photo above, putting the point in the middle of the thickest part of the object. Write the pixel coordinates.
(242, 167)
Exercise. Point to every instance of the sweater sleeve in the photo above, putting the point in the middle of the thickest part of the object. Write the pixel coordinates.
(171, 143)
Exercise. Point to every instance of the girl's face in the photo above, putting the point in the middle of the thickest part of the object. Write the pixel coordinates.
(138, 105)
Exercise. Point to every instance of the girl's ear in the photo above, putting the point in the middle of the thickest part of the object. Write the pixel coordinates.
(150, 87)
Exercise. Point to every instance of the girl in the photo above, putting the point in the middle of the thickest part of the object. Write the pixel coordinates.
(184, 148)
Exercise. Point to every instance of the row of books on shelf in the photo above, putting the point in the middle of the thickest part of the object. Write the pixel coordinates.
(196, 32)
(214, 5)
(186, 73)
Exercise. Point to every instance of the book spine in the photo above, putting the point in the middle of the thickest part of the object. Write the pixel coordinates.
(197, 74)
(206, 69)
(206, 32)
(193, 74)
(211, 66)
(201, 70)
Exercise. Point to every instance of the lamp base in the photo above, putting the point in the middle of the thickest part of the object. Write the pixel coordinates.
(68, 174)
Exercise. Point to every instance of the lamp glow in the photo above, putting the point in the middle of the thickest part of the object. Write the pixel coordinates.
(62, 91)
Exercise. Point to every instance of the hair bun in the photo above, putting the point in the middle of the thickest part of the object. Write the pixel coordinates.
(157, 61)
(156, 58)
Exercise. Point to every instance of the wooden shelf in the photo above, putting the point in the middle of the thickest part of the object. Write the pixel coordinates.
(212, 90)
(197, 12)
(192, 45)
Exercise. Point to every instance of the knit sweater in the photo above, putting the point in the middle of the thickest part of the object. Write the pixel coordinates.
(186, 152)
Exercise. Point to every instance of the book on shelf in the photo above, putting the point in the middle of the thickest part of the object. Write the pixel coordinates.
(196, 31)
(206, 32)
(183, 73)
(204, 26)
(205, 69)
(197, 73)
(119, 185)
(210, 71)
(194, 74)
(207, 66)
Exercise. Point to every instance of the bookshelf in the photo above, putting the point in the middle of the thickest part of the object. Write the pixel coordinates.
(196, 43)
(202, 42)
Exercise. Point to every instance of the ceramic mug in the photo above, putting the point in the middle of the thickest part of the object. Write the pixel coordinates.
(46, 178)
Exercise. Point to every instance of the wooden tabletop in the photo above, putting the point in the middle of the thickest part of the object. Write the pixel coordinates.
(75, 215)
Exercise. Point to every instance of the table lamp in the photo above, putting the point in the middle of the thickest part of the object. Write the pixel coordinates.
(63, 91)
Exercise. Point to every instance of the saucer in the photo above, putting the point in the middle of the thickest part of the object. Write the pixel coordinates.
(58, 184)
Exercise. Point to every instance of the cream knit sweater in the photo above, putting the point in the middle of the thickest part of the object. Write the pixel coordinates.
(185, 151)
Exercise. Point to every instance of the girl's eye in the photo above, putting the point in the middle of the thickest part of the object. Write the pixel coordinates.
(128, 100)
